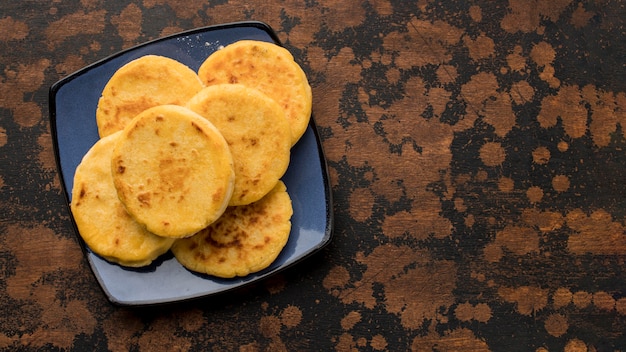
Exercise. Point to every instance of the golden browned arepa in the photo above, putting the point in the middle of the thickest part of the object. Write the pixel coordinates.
(145, 82)
(246, 239)
(256, 131)
(102, 221)
(173, 171)
(269, 68)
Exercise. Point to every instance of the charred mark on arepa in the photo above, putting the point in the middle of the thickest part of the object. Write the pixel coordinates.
(266, 241)
(158, 118)
(82, 192)
(219, 193)
(197, 127)
(200, 256)
(120, 169)
(144, 199)
(253, 141)
(236, 242)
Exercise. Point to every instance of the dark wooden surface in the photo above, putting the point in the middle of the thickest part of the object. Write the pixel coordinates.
(476, 154)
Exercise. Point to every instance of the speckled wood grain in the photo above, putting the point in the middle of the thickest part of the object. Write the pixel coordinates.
(475, 150)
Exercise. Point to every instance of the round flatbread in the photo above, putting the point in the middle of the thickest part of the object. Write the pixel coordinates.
(257, 133)
(145, 82)
(102, 221)
(173, 171)
(269, 68)
(246, 239)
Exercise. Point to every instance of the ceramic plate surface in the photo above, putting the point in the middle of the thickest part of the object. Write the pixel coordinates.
(73, 102)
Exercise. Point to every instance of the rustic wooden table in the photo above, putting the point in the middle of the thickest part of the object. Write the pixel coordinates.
(476, 160)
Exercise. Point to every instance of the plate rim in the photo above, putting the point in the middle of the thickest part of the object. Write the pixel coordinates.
(53, 90)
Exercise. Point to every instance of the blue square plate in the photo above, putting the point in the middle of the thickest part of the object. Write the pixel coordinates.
(73, 102)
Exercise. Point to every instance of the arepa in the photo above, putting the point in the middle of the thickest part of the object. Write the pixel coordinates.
(246, 239)
(257, 134)
(145, 82)
(173, 171)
